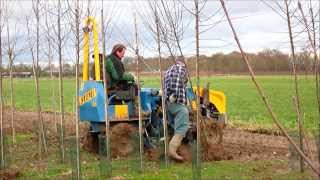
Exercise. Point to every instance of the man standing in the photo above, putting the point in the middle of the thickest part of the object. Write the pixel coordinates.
(175, 92)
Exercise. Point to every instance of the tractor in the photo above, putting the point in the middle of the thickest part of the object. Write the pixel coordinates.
(122, 106)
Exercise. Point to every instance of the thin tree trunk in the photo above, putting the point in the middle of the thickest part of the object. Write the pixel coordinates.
(163, 103)
(12, 102)
(297, 97)
(2, 163)
(11, 91)
(198, 165)
(139, 101)
(317, 76)
(107, 122)
(266, 102)
(77, 87)
(60, 85)
(36, 70)
(10, 57)
(52, 79)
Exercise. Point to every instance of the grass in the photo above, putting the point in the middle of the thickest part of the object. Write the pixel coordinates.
(244, 106)
(212, 170)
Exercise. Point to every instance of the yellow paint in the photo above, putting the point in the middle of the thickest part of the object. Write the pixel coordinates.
(94, 104)
(121, 111)
(194, 105)
(90, 22)
(215, 97)
(87, 96)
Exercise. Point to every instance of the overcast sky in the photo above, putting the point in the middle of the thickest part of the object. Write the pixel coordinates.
(257, 24)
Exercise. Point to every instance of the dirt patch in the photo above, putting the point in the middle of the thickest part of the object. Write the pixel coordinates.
(237, 144)
(244, 145)
(9, 174)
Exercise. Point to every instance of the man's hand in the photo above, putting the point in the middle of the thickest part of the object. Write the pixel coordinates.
(135, 79)
(172, 98)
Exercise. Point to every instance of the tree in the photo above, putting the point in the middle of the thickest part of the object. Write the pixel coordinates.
(12, 53)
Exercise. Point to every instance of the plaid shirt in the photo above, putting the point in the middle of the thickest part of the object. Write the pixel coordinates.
(175, 82)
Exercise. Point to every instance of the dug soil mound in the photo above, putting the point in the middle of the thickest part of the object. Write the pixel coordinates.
(122, 139)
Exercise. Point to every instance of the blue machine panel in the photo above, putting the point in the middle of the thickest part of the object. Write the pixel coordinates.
(91, 101)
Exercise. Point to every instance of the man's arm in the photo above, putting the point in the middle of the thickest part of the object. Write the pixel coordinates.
(112, 71)
(127, 77)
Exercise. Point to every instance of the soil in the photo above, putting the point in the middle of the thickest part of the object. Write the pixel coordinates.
(9, 174)
(237, 144)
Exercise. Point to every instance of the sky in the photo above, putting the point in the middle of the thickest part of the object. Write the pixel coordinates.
(259, 24)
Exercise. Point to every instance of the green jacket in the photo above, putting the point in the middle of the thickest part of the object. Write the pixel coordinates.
(116, 72)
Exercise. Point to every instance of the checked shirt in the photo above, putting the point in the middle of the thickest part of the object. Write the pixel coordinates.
(175, 82)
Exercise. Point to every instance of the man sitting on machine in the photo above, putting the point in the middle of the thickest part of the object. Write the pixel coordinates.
(117, 79)
(115, 72)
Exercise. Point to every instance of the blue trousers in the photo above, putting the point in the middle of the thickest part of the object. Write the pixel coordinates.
(179, 115)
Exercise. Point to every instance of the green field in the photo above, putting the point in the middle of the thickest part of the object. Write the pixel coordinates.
(244, 106)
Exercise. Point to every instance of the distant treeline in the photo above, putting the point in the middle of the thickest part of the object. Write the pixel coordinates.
(266, 61)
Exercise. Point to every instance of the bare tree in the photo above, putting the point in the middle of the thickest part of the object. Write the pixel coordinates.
(2, 162)
(35, 67)
(36, 70)
(263, 96)
(198, 156)
(296, 95)
(11, 57)
(317, 65)
(139, 100)
(106, 106)
(51, 69)
(77, 24)
(317, 70)
(300, 30)
(59, 13)
(163, 103)
(77, 115)
(61, 84)
(74, 12)
(12, 53)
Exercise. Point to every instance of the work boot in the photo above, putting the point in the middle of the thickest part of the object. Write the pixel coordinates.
(173, 146)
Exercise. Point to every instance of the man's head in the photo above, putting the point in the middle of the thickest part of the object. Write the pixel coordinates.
(180, 60)
(118, 50)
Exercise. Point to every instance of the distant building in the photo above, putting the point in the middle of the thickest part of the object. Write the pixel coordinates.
(18, 74)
